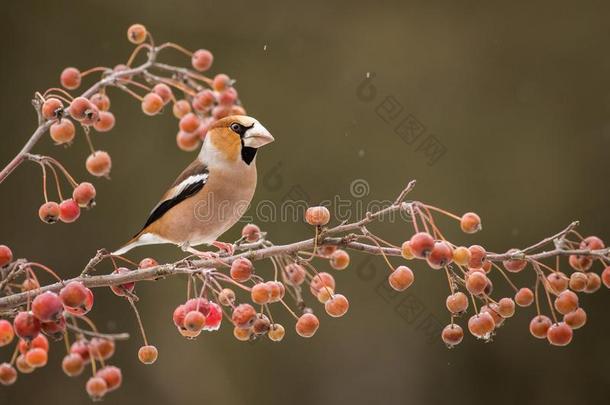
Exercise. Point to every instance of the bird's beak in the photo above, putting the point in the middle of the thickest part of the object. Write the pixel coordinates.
(257, 136)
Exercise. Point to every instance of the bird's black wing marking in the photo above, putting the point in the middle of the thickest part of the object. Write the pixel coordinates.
(188, 191)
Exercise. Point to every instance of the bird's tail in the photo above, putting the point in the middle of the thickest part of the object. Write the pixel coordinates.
(135, 241)
(140, 239)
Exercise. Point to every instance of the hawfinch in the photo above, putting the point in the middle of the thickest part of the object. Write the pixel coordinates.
(212, 193)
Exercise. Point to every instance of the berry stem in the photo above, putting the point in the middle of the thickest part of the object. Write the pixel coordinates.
(135, 310)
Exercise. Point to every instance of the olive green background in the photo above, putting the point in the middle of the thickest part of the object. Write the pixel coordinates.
(519, 95)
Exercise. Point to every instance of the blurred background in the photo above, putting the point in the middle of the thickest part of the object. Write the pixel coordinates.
(508, 114)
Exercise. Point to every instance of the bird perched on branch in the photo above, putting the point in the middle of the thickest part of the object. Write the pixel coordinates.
(212, 193)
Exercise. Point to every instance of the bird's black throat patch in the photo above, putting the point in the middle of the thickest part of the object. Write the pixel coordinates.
(247, 153)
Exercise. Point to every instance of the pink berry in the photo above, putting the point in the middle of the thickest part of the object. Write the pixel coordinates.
(84, 194)
(152, 104)
(26, 325)
(99, 163)
(6, 332)
(421, 244)
(62, 132)
(6, 255)
(126, 289)
(70, 78)
(47, 307)
(163, 91)
(52, 108)
(49, 212)
(69, 211)
(202, 60)
(559, 334)
(105, 122)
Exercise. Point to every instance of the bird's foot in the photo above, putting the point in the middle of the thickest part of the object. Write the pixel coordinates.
(229, 248)
(201, 254)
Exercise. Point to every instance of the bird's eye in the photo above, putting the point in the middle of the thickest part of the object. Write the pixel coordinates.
(235, 127)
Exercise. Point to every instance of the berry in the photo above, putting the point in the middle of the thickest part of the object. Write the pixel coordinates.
(148, 354)
(470, 223)
(421, 244)
(112, 376)
(261, 325)
(592, 243)
(8, 374)
(123, 290)
(92, 115)
(96, 388)
(576, 319)
(405, 251)
(514, 265)
(241, 269)
(187, 141)
(457, 303)
(49, 212)
(102, 349)
(122, 68)
(101, 101)
(152, 103)
(54, 330)
(242, 334)
(319, 281)
(83, 309)
(136, 34)
(69, 211)
(99, 163)
(147, 263)
(481, 325)
(294, 274)
(163, 91)
(203, 100)
(476, 282)
(452, 335)
(52, 108)
(30, 284)
(401, 278)
(440, 255)
(221, 111)
(558, 281)
(593, 283)
(307, 325)
(492, 309)
(194, 321)
(7, 334)
(336, 306)
(178, 316)
(105, 122)
(539, 326)
(62, 131)
(79, 108)
(70, 78)
(47, 307)
(84, 194)
(606, 277)
(580, 263)
(506, 307)
(213, 318)
(36, 357)
(578, 281)
(226, 297)
(202, 60)
(181, 108)
(6, 255)
(559, 334)
(277, 291)
(477, 257)
(251, 233)
(524, 297)
(276, 332)
(317, 216)
(461, 256)
(39, 342)
(81, 347)
(243, 316)
(189, 123)
(23, 365)
(72, 365)
(326, 250)
(221, 82)
(325, 294)
(74, 294)
(228, 97)
(339, 260)
(566, 302)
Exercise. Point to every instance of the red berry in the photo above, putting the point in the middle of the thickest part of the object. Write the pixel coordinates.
(112, 375)
(47, 307)
(261, 293)
(79, 107)
(54, 330)
(457, 303)
(277, 291)
(52, 108)
(152, 104)
(592, 243)
(339, 260)
(204, 100)
(401, 278)
(320, 281)
(241, 269)
(194, 321)
(84, 194)
(163, 91)
(524, 297)
(147, 263)
(492, 309)
(307, 325)
(101, 101)
(36, 357)
(294, 274)
(476, 282)
(539, 326)
(96, 388)
(243, 316)
(136, 34)
(99, 163)
(123, 290)
(481, 325)
(70, 78)
(461, 255)
(606, 277)
(593, 283)
(470, 223)
(73, 365)
(81, 347)
(440, 255)
(578, 281)
(181, 108)
(405, 251)
(452, 335)
(30, 284)
(566, 302)
(421, 244)
(74, 294)
(559, 334)
(242, 334)
(39, 342)
(580, 263)
(92, 116)
(148, 354)
(251, 233)
(221, 82)
(6, 255)
(228, 97)
(83, 309)
(276, 332)
(105, 122)
(478, 255)
(576, 319)
(187, 141)
(62, 131)
(23, 366)
(213, 317)
(189, 123)
(221, 111)
(226, 297)
(337, 305)
(514, 265)
(6, 332)
(178, 316)
(26, 325)
(318, 216)
(49, 212)
(8, 374)
(506, 307)
(101, 348)
(261, 325)
(558, 281)
(202, 60)
(69, 211)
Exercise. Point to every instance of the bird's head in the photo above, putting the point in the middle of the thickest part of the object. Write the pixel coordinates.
(235, 137)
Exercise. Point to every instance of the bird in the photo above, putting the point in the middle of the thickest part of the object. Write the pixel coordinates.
(211, 194)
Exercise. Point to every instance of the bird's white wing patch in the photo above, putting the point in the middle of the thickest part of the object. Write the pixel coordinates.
(185, 183)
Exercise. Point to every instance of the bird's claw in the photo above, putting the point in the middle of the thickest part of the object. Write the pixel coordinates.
(229, 248)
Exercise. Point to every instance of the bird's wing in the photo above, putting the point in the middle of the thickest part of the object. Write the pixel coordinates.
(190, 181)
